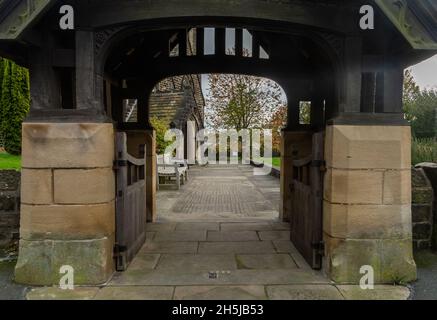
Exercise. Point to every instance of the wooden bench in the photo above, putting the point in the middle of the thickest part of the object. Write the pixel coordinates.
(171, 172)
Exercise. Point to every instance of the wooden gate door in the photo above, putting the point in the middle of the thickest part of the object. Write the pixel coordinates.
(130, 204)
(307, 204)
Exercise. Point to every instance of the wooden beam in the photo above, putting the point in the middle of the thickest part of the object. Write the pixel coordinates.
(220, 41)
(255, 46)
(239, 42)
(182, 38)
(200, 41)
(85, 72)
(352, 75)
(368, 91)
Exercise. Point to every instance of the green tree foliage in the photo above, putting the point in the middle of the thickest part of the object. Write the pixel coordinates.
(14, 103)
(240, 102)
(161, 128)
(420, 107)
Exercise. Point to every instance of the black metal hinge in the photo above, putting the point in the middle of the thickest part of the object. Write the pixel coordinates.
(319, 247)
(320, 164)
(120, 257)
(119, 163)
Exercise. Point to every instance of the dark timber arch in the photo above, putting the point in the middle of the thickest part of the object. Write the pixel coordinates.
(303, 63)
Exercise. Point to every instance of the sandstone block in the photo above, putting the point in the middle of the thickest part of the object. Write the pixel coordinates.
(367, 221)
(67, 221)
(77, 186)
(67, 145)
(36, 186)
(353, 186)
(391, 259)
(368, 147)
(397, 187)
(39, 261)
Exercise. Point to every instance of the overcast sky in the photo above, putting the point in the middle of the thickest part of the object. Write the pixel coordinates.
(425, 73)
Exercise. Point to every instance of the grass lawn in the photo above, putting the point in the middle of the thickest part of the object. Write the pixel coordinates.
(275, 161)
(8, 161)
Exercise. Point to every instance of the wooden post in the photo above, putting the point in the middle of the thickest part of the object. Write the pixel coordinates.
(238, 42)
(85, 72)
(151, 175)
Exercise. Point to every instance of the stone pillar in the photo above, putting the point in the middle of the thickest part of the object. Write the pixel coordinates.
(151, 175)
(294, 145)
(67, 203)
(367, 203)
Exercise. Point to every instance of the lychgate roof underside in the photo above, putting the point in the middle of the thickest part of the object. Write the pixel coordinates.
(415, 20)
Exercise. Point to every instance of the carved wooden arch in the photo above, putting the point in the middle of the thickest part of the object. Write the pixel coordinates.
(328, 44)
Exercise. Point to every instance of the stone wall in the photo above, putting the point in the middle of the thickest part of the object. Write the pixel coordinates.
(422, 209)
(9, 206)
(430, 169)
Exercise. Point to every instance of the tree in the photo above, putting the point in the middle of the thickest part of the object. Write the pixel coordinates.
(161, 128)
(424, 114)
(410, 93)
(14, 103)
(420, 108)
(241, 102)
(277, 122)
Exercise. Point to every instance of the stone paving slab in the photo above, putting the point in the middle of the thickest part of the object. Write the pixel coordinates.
(280, 225)
(186, 235)
(136, 293)
(220, 293)
(274, 235)
(167, 226)
(283, 246)
(55, 293)
(169, 247)
(150, 235)
(380, 292)
(232, 277)
(197, 262)
(303, 292)
(232, 236)
(215, 226)
(246, 226)
(256, 247)
(143, 262)
(265, 261)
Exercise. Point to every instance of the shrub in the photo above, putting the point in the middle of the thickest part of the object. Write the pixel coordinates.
(424, 150)
(14, 103)
(161, 128)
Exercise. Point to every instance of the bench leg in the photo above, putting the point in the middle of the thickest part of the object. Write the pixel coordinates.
(178, 181)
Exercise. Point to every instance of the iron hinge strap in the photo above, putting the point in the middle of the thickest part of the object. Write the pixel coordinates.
(318, 163)
(120, 257)
(119, 163)
(319, 247)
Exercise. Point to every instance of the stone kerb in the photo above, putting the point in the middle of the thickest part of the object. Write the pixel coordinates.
(67, 202)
